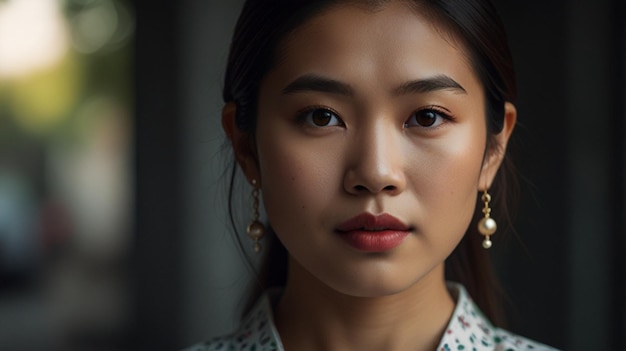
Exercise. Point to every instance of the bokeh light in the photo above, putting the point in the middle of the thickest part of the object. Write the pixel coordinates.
(65, 172)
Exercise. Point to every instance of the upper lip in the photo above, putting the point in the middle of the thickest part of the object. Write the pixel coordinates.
(370, 222)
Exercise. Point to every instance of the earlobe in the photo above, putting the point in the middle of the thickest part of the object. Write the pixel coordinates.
(495, 156)
(242, 143)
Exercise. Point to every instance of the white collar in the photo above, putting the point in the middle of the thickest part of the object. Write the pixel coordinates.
(468, 329)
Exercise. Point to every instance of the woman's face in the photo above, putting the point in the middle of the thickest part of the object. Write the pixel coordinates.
(368, 114)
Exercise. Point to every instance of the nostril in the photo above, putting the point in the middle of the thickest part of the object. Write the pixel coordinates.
(360, 188)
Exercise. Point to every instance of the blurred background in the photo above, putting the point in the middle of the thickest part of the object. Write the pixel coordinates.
(66, 172)
(113, 222)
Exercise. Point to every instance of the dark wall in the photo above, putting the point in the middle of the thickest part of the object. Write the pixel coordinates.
(566, 279)
(533, 264)
(156, 245)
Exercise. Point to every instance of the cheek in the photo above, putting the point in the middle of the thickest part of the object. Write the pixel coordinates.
(445, 176)
(297, 180)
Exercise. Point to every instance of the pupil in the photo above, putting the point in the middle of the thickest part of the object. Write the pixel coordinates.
(426, 118)
(321, 117)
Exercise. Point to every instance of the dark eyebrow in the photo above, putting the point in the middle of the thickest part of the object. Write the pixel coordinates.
(427, 85)
(312, 82)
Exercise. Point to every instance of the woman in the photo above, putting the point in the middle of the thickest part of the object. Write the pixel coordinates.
(375, 132)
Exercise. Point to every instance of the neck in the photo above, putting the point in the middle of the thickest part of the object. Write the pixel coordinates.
(313, 316)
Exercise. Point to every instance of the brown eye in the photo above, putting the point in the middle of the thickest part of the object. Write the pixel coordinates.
(321, 117)
(426, 118)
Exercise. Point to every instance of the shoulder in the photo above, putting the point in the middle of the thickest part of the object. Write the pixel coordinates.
(256, 332)
(506, 341)
(251, 338)
(469, 329)
(234, 342)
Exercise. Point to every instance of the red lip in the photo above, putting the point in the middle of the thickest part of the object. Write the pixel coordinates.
(373, 233)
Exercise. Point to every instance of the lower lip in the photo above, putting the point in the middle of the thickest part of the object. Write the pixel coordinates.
(374, 241)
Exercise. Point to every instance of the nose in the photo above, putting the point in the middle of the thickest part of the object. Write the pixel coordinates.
(376, 163)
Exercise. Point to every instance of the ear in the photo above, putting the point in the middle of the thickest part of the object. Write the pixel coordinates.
(495, 155)
(242, 142)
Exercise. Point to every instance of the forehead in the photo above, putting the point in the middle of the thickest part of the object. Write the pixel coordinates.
(397, 37)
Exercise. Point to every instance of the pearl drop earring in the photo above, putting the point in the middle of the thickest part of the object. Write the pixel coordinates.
(256, 229)
(487, 226)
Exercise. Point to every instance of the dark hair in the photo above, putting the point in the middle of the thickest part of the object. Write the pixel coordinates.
(474, 23)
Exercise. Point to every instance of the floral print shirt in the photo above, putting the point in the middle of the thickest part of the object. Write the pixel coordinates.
(468, 330)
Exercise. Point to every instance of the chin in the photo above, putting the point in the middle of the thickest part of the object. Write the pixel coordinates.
(370, 285)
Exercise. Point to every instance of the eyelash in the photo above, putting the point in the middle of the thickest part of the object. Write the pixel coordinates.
(302, 115)
(305, 113)
(438, 110)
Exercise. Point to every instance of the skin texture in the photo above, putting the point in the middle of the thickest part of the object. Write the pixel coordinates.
(373, 157)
